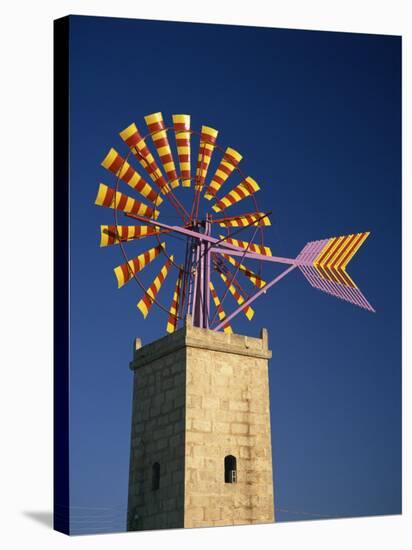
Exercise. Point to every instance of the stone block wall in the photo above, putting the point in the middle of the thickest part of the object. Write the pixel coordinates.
(199, 396)
(158, 430)
(227, 413)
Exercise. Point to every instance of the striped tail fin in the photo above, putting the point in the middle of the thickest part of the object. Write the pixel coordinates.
(323, 263)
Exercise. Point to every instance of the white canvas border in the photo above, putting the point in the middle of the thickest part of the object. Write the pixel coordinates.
(26, 298)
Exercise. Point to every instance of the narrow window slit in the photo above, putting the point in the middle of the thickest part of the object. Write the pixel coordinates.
(155, 476)
(230, 469)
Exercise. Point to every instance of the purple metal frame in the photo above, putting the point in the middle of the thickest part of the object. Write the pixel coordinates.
(256, 295)
(206, 245)
(200, 265)
(198, 256)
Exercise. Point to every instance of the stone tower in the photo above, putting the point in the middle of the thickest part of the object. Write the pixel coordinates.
(200, 445)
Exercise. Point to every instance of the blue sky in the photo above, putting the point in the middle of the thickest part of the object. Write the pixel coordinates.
(317, 116)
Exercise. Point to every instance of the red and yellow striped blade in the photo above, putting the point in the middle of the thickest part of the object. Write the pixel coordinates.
(248, 311)
(148, 299)
(116, 164)
(126, 271)
(245, 188)
(220, 311)
(208, 138)
(132, 137)
(332, 260)
(230, 160)
(245, 220)
(108, 197)
(251, 275)
(113, 234)
(181, 124)
(251, 247)
(174, 306)
(156, 127)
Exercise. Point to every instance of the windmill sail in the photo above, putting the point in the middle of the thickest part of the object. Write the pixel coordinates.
(145, 304)
(251, 275)
(230, 160)
(251, 247)
(248, 311)
(108, 197)
(245, 188)
(220, 311)
(244, 220)
(127, 270)
(121, 168)
(156, 127)
(181, 124)
(132, 137)
(174, 306)
(113, 234)
(208, 138)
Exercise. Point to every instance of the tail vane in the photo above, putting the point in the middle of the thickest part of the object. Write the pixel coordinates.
(323, 263)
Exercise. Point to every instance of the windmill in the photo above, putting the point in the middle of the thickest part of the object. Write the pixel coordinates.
(219, 232)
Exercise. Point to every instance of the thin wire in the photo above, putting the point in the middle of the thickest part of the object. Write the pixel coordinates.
(185, 279)
(177, 204)
(176, 237)
(236, 232)
(236, 272)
